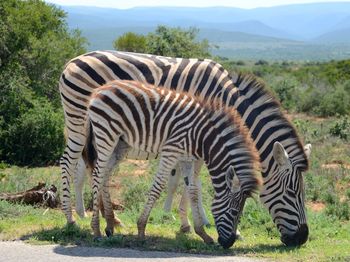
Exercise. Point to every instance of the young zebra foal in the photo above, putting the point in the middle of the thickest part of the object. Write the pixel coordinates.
(180, 128)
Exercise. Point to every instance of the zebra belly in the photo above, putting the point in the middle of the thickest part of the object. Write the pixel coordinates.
(138, 154)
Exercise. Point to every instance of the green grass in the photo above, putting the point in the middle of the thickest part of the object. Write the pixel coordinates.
(329, 238)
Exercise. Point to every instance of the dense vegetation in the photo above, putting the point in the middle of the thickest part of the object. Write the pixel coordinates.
(321, 89)
(165, 41)
(35, 43)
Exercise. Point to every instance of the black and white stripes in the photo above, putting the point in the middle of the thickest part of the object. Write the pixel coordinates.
(273, 134)
(181, 129)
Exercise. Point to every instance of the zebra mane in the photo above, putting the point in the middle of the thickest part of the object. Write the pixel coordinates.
(255, 93)
(234, 121)
(215, 107)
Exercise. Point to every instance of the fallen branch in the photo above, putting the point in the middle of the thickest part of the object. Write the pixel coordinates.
(38, 195)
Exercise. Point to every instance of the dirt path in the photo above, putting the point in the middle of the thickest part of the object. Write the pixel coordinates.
(19, 251)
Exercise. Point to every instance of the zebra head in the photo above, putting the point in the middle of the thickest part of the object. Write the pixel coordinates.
(284, 196)
(226, 210)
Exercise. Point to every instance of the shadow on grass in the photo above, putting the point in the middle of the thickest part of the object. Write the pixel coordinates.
(81, 238)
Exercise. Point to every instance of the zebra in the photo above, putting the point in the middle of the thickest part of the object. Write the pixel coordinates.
(180, 128)
(282, 156)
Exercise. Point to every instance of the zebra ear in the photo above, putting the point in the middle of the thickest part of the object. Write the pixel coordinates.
(280, 154)
(307, 150)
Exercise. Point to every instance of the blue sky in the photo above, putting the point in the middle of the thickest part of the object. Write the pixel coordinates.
(196, 3)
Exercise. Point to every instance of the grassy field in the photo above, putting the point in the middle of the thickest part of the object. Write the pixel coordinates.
(328, 195)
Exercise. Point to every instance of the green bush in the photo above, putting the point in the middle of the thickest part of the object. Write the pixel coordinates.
(35, 43)
(35, 138)
(340, 210)
(135, 195)
(165, 41)
(341, 128)
(335, 102)
(131, 42)
(286, 91)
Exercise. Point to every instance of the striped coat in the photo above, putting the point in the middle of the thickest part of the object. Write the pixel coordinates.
(179, 128)
(282, 155)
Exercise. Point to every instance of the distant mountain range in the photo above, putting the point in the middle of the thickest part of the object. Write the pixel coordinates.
(282, 30)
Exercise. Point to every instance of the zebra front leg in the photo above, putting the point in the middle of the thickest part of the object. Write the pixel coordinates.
(172, 186)
(187, 170)
(197, 168)
(183, 212)
(166, 164)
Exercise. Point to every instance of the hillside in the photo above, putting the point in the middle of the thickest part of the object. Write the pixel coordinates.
(290, 32)
(338, 36)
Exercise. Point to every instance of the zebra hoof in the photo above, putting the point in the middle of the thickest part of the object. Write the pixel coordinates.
(209, 241)
(109, 232)
(185, 229)
(97, 239)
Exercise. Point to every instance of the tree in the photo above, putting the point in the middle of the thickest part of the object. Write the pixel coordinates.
(175, 42)
(165, 41)
(35, 37)
(131, 42)
(35, 44)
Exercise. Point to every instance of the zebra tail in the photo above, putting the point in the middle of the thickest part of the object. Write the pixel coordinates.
(89, 152)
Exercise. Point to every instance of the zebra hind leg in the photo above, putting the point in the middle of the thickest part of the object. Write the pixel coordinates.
(112, 221)
(68, 163)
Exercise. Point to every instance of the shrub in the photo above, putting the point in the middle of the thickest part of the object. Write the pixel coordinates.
(340, 210)
(335, 102)
(261, 62)
(307, 129)
(341, 128)
(166, 41)
(35, 137)
(131, 42)
(286, 90)
(136, 193)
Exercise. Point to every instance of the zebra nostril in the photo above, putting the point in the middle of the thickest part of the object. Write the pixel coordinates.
(227, 243)
(297, 239)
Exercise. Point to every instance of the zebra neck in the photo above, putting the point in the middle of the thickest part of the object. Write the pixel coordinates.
(266, 122)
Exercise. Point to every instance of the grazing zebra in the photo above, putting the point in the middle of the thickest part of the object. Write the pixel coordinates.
(282, 155)
(128, 114)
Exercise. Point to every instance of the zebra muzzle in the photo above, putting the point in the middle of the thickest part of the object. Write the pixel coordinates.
(227, 243)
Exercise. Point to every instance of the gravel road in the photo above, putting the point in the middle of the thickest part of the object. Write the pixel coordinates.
(17, 251)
